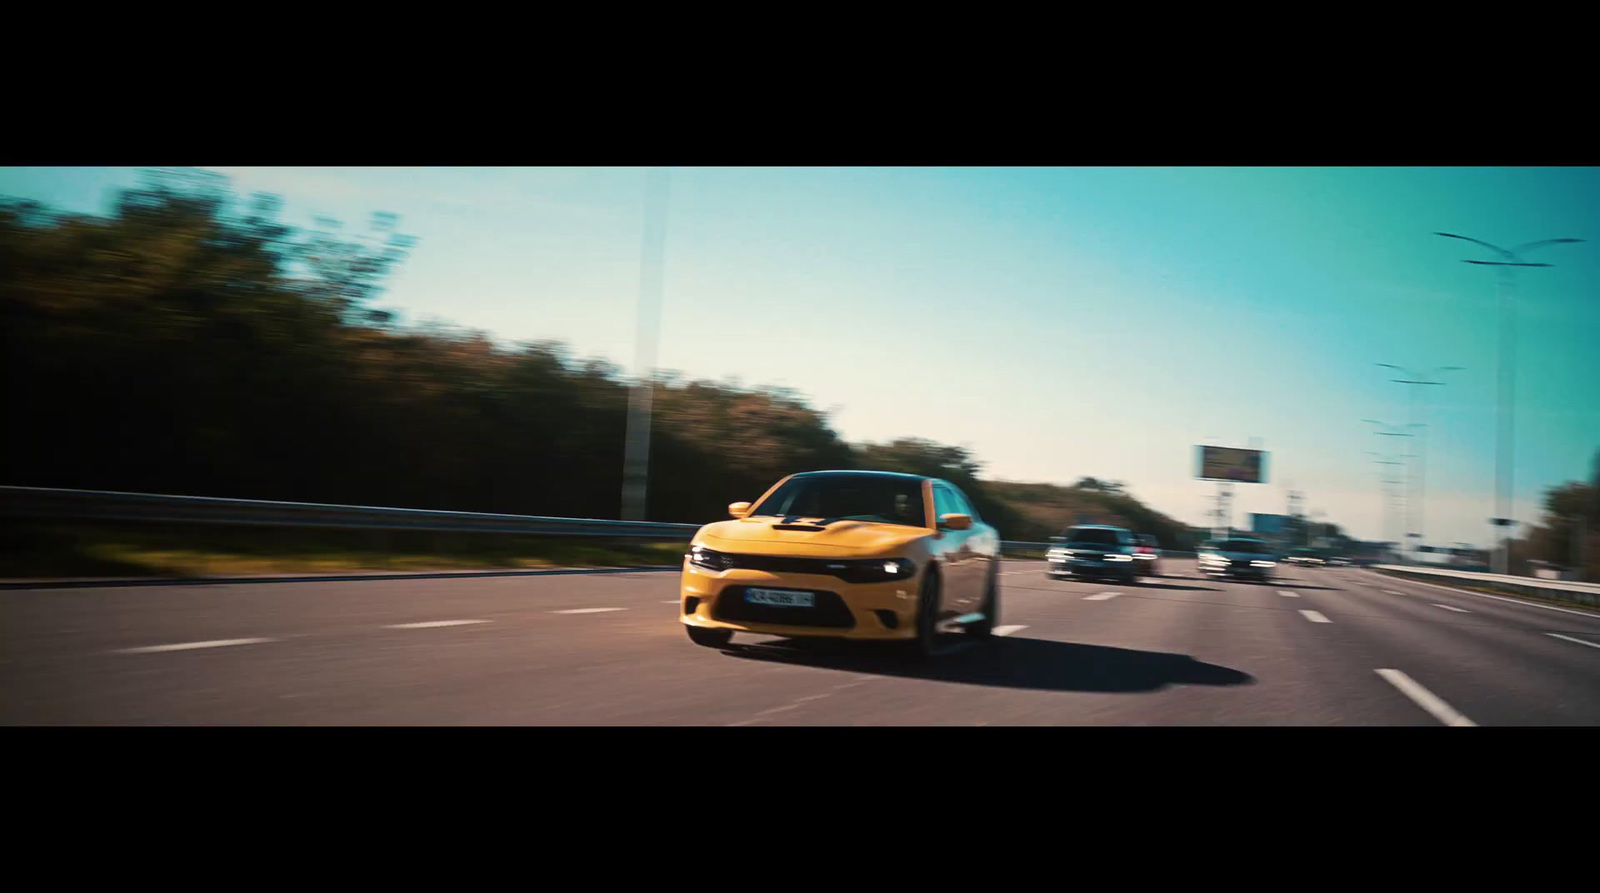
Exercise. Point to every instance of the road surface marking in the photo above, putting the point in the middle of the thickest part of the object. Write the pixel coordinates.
(1571, 639)
(1501, 598)
(1315, 616)
(672, 601)
(1101, 597)
(185, 646)
(1287, 594)
(1425, 699)
(1392, 592)
(1008, 630)
(1455, 609)
(433, 623)
(778, 709)
(588, 610)
(1014, 573)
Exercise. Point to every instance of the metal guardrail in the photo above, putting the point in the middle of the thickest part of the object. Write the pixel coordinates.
(1582, 593)
(47, 503)
(51, 503)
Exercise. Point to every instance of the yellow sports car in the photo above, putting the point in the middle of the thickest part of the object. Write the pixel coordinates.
(845, 554)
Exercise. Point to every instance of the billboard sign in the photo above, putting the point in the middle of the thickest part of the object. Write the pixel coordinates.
(1269, 525)
(1229, 464)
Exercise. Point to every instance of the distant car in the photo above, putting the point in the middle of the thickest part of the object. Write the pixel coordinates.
(1095, 551)
(1304, 558)
(1147, 555)
(1338, 561)
(848, 555)
(1239, 558)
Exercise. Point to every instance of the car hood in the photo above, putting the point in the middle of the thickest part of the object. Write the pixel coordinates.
(863, 538)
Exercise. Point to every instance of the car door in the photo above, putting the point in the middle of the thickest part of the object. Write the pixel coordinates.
(956, 549)
(983, 549)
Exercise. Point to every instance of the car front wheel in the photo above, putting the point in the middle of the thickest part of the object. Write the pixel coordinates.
(926, 644)
(984, 628)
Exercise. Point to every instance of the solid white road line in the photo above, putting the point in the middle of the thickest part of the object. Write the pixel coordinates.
(588, 610)
(1101, 597)
(434, 623)
(1425, 699)
(1008, 630)
(672, 601)
(1499, 598)
(1315, 616)
(1287, 594)
(1453, 608)
(1571, 639)
(218, 643)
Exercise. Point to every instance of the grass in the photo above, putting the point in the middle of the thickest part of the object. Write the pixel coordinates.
(187, 550)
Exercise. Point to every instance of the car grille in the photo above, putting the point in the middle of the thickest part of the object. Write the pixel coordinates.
(829, 611)
(781, 564)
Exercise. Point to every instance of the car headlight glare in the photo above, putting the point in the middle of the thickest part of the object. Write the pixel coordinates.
(1263, 564)
(710, 559)
(1119, 557)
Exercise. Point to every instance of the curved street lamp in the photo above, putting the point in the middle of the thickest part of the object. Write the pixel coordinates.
(1510, 260)
(1413, 381)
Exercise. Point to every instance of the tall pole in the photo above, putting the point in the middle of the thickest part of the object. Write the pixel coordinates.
(652, 263)
(1417, 501)
(1504, 469)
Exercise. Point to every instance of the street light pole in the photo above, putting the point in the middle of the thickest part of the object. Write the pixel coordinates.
(1413, 382)
(1405, 502)
(652, 262)
(1504, 467)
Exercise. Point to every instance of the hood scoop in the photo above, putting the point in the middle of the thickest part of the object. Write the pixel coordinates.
(790, 524)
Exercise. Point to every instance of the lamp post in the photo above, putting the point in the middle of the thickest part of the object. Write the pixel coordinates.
(1509, 261)
(1405, 504)
(1388, 493)
(636, 455)
(1413, 381)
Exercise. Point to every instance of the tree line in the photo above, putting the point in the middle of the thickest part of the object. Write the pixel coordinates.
(190, 342)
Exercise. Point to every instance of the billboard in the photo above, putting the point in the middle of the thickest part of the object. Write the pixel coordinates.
(1268, 525)
(1229, 464)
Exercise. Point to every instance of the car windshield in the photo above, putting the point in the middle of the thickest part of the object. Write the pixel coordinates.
(1093, 536)
(1147, 539)
(887, 500)
(1251, 546)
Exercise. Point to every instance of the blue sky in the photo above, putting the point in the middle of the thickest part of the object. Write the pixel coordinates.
(1058, 322)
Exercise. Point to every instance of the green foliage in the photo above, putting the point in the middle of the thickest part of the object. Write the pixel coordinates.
(189, 342)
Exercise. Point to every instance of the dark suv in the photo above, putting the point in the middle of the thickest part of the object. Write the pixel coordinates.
(1095, 551)
(1147, 555)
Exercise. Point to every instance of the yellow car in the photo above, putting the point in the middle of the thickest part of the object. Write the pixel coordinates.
(845, 554)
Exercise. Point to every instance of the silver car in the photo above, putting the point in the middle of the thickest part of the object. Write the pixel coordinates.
(1239, 558)
(1095, 551)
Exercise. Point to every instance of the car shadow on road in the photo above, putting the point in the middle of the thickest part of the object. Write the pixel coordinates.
(1008, 662)
(1148, 585)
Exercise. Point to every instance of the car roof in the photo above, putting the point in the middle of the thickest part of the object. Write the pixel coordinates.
(865, 473)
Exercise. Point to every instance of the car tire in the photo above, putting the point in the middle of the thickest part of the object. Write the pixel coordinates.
(984, 628)
(926, 644)
(709, 638)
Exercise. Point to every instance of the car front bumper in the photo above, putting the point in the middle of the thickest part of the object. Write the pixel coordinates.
(874, 611)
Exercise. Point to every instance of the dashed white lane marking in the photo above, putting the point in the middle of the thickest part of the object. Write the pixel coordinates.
(1101, 597)
(185, 646)
(588, 610)
(671, 601)
(1315, 616)
(1425, 699)
(1287, 594)
(1392, 592)
(1571, 639)
(1008, 630)
(434, 623)
(1453, 608)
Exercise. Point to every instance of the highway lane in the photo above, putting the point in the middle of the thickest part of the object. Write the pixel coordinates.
(607, 650)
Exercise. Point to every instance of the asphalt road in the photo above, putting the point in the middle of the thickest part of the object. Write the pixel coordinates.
(1324, 647)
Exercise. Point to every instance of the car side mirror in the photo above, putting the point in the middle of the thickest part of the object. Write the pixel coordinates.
(739, 509)
(955, 521)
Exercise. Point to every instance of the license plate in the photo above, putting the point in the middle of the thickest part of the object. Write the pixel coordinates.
(781, 597)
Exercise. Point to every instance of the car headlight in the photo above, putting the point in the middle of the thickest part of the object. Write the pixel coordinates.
(710, 559)
(1263, 564)
(1119, 557)
(879, 570)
